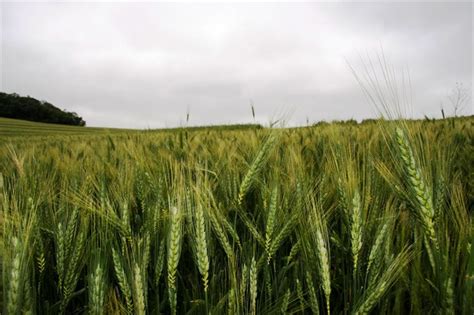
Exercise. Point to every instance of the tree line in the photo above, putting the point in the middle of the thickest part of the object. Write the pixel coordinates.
(28, 108)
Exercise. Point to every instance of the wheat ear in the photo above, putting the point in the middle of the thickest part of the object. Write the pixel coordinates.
(174, 251)
(422, 196)
(253, 287)
(255, 167)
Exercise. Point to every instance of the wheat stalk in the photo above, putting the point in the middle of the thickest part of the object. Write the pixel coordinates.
(174, 251)
(122, 280)
(285, 302)
(299, 293)
(255, 167)
(60, 253)
(324, 267)
(422, 195)
(356, 230)
(231, 308)
(253, 286)
(138, 291)
(201, 246)
(270, 223)
(221, 236)
(285, 231)
(313, 299)
(244, 283)
(376, 247)
(73, 270)
(97, 290)
(293, 252)
(160, 262)
(388, 278)
(40, 258)
(14, 290)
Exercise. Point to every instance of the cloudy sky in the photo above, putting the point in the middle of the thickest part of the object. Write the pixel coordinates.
(145, 65)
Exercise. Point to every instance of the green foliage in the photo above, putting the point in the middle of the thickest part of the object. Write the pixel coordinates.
(372, 218)
(28, 108)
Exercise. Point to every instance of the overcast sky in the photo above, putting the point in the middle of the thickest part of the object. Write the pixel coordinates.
(145, 65)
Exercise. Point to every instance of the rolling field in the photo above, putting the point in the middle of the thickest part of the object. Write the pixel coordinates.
(15, 127)
(372, 218)
(19, 128)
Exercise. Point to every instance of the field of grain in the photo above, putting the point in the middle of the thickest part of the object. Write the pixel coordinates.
(373, 218)
(15, 128)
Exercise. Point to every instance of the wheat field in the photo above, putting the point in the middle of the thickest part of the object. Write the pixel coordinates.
(371, 218)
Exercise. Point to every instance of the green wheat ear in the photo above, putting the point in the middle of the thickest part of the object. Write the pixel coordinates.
(97, 288)
(255, 167)
(324, 267)
(253, 286)
(270, 222)
(422, 195)
(285, 302)
(138, 290)
(174, 251)
(123, 280)
(14, 293)
(313, 299)
(201, 244)
(356, 229)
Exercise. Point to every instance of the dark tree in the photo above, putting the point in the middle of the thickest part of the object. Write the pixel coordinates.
(28, 108)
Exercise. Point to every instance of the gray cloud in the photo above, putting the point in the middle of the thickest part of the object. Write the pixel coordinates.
(143, 65)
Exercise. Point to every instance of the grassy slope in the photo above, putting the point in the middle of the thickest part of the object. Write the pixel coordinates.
(15, 127)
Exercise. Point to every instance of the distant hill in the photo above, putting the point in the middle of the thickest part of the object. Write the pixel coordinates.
(28, 108)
